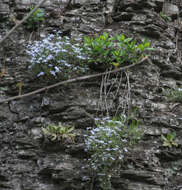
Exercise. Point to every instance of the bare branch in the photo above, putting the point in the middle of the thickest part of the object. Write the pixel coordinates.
(73, 80)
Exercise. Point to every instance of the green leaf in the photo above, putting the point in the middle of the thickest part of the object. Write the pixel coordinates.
(150, 49)
(71, 129)
(127, 40)
(104, 36)
(166, 143)
(45, 131)
(164, 138)
(54, 137)
(115, 64)
(171, 136)
(120, 38)
(147, 44)
(175, 144)
(140, 47)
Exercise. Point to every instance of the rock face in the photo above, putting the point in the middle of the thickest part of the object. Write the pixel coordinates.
(170, 9)
(29, 162)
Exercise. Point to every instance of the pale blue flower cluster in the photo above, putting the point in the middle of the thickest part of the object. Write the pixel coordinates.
(106, 143)
(53, 54)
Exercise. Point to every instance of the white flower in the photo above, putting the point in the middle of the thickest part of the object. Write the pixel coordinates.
(42, 35)
(50, 57)
(55, 50)
(66, 64)
(125, 149)
(53, 73)
(56, 69)
(40, 74)
(64, 50)
(51, 36)
(81, 57)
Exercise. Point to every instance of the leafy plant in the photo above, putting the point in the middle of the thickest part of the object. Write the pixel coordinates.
(34, 21)
(169, 140)
(107, 144)
(165, 17)
(115, 50)
(55, 54)
(174, 95)
(98, 48)
(59, 132)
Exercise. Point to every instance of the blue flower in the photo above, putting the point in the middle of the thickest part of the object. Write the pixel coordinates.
(40, 74)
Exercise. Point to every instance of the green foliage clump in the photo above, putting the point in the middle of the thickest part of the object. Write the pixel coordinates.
(55, 54)
(107, 144)
(115, 50)
(169, 140)
(35, 19)
(59, 133)
(165, 17)
(174, 95)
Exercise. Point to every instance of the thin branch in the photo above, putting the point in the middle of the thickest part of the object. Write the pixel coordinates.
(67, 5)
(72, 80)
(128, 94)
(22, 21)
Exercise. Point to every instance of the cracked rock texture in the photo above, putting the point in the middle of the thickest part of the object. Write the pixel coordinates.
(29, 162)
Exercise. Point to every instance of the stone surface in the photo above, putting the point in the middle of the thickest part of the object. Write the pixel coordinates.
(171, 9)
(29, 161)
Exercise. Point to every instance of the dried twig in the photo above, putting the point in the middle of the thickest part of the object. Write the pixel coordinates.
(67, 5)
(128, 94)
(73, 80)
(116, 95)
(106, 88)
